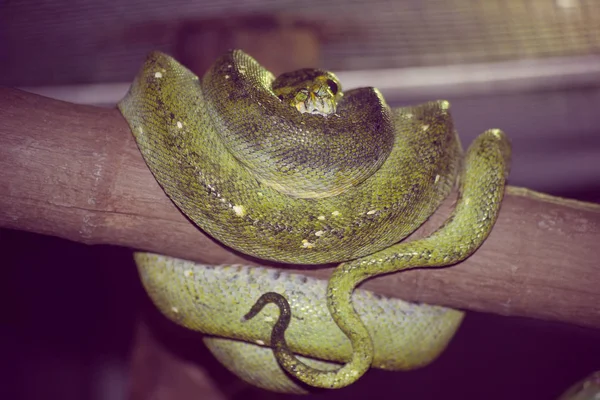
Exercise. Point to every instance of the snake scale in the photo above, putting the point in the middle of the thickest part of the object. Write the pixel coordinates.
(293, 169)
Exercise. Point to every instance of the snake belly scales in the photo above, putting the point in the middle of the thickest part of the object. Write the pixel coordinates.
(292, 169)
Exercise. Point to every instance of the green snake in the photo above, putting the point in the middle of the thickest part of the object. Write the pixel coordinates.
(294, 170)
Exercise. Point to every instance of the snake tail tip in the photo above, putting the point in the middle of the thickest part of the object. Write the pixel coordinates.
(266, 298)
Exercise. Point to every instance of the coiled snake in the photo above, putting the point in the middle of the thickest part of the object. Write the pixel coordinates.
(294, 170)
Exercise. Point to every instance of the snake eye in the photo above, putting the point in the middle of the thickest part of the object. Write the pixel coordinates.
(332, 86)
(280, 97)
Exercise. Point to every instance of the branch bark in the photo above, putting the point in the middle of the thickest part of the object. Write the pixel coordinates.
(75, 172)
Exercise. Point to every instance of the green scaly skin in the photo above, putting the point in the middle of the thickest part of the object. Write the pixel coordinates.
(269, 181)
(213, 300)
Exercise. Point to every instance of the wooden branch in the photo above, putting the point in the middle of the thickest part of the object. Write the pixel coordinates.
(75, 172)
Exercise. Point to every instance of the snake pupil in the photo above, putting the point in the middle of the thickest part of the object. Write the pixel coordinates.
(332, 86)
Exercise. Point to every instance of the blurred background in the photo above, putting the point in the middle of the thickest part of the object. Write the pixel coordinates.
(77, 324)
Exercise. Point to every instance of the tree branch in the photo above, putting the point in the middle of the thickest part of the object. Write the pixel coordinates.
(75, 172)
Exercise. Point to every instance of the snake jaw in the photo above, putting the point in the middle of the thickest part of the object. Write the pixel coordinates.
(315, 102)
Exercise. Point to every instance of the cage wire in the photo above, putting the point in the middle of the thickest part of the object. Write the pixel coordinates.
(448, 32)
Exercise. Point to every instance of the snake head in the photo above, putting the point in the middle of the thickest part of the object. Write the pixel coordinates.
(312, 91)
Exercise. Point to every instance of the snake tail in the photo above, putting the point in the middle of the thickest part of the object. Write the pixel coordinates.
(362, 345)
(485, 171)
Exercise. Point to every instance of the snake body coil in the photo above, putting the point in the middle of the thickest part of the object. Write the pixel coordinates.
(204, 176)
(346, 184)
